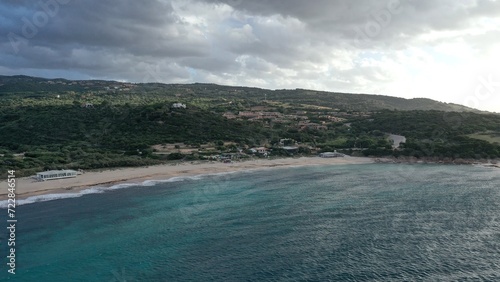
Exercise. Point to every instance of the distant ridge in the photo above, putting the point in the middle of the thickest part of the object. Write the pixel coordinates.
(345, 101)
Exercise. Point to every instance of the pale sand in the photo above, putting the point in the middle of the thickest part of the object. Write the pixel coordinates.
(26, 187)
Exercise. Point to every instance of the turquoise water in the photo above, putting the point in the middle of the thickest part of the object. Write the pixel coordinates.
(333, 223)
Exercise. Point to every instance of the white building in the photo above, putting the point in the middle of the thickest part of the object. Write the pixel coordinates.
(331, 155)
(260, 150)
(55, 174)
(178, 106)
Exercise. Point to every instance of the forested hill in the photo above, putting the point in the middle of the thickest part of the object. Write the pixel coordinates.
(364, 102)
(63, 124)
(25, 86)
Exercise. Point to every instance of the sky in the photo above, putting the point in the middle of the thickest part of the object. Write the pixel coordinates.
(446, 50)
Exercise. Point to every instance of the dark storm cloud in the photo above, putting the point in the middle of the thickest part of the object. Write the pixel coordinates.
(340, 45)
(398, 18)
(141, 29)
(90, 34)
(154, 29)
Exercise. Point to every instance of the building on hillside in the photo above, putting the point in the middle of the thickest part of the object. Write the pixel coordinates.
(287, 142)
(261, 150)
(270, 115)
(248, 114)
(229, 115)
(230, 156)
(291, 149)
(312, 125)
(178, 106)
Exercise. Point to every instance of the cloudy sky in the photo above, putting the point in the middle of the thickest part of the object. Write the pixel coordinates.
(440, 49)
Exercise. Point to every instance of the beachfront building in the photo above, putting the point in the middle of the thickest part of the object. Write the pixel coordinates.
(291, 149)
(331, 155)
(55, 174)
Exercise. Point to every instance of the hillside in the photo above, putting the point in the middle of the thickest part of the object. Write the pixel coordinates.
(31, 86)
(56, 124)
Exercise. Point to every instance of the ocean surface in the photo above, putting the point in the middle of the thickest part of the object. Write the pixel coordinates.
(374, 222)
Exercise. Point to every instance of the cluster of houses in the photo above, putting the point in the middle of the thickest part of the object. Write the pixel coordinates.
(303, 125)
(265, 152)
(51, 82)
(114, 89)
(299, 120)
(260, 115)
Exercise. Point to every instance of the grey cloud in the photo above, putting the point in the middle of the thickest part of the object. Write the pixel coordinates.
(341, 17)
(100, 37)
(150, 28)
(265, 43)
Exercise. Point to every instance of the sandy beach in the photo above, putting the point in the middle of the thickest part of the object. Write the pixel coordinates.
(27, 187)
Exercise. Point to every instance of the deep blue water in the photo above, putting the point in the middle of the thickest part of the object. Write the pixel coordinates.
(333, 223)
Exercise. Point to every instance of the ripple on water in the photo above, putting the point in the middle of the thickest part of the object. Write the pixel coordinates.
(341, 223)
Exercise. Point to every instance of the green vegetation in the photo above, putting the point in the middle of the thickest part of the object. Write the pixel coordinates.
(437, 134)
(492, 137)
(107, 136)
(54, 124)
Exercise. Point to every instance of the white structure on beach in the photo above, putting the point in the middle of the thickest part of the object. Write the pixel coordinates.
(331, 155)
(55, 174)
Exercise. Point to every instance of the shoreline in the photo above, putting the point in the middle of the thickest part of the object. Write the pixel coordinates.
(27, 187)
(438, 161)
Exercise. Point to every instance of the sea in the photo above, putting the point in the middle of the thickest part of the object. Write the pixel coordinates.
(369, 222)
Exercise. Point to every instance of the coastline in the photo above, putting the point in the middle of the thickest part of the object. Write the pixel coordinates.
(436, 160)
(27, 187)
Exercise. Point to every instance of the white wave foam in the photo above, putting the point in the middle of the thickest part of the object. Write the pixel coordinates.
(122, 186)
(102, 189)
(51, 197)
